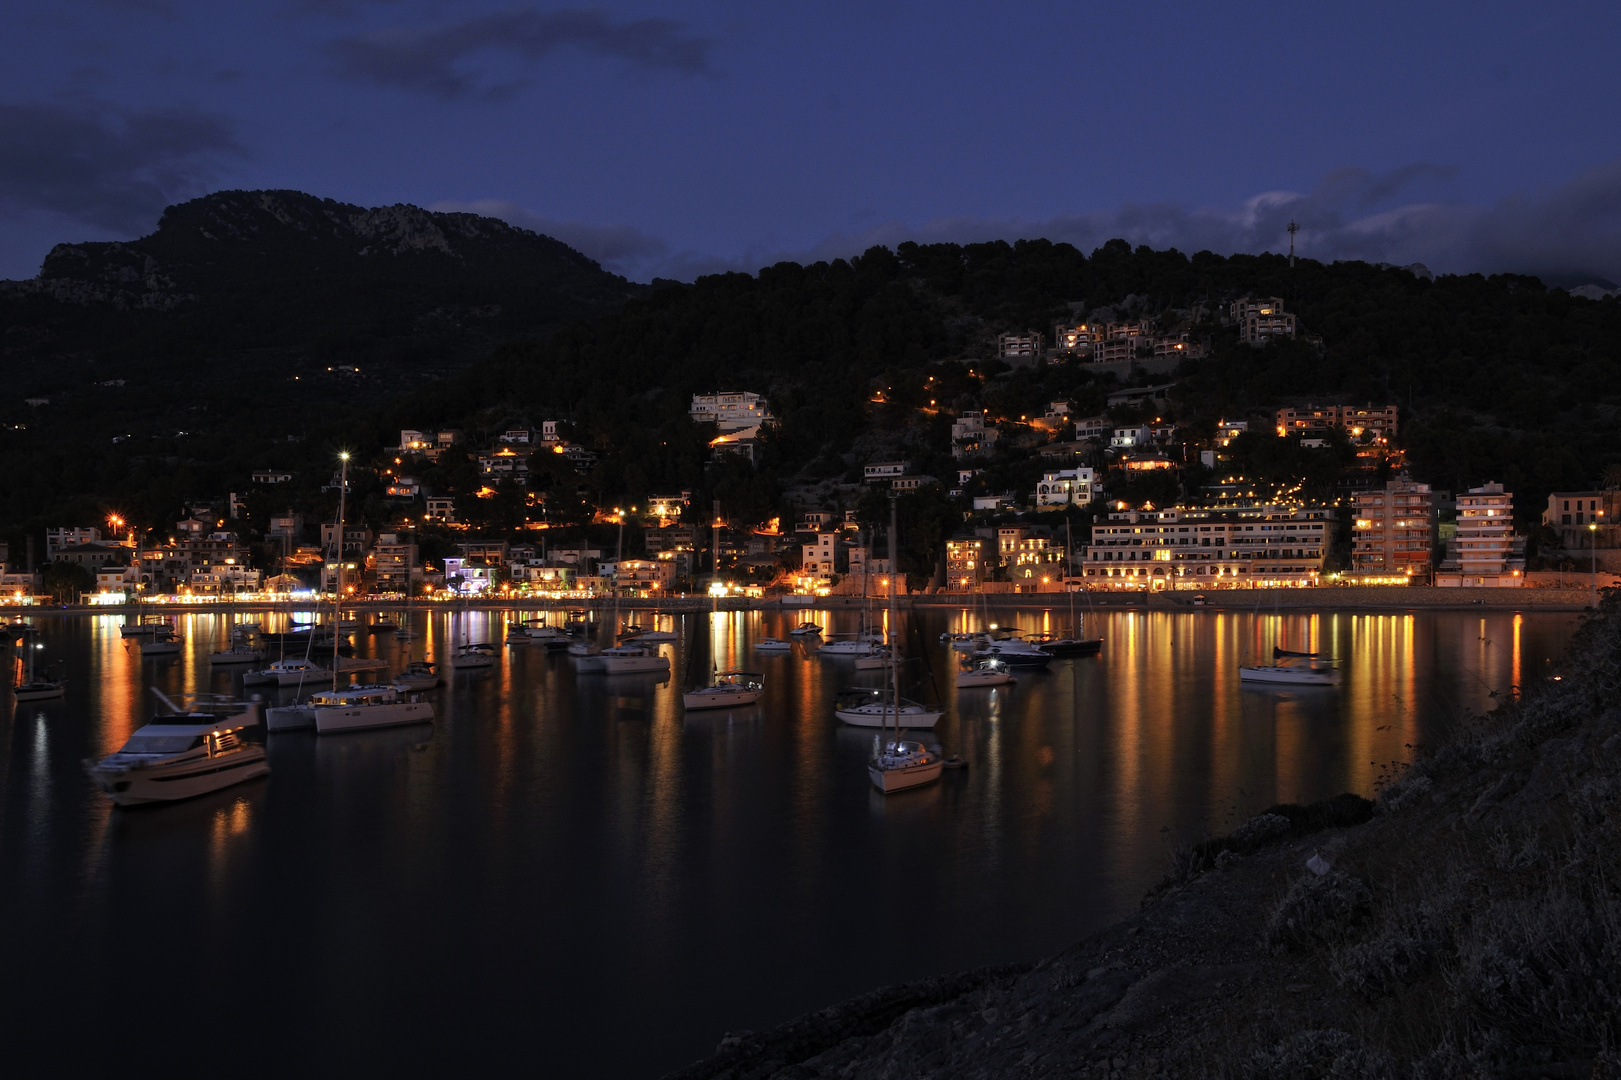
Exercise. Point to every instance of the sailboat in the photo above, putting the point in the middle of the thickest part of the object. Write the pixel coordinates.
(352, 708)
(1071, 643)
(35, 687)
(899, 765)
(1291, 669)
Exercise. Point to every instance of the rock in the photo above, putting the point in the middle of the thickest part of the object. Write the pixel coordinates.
(1319, 865)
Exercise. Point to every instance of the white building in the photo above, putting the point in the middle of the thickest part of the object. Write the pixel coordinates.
(1484, 552)
(1093, 427)
(819, 556)
(885, 470)
(1065, 487)
(730, 411)
(1131, 438)
(971, 436)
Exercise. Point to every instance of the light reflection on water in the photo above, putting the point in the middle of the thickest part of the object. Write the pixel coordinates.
(619, 881)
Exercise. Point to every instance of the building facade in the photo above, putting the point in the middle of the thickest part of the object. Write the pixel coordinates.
(1204, 548)
(1065, 487)
(1585, 519)
(730, 410)
(1393, 531)
(1261, 320)
(1484, 552)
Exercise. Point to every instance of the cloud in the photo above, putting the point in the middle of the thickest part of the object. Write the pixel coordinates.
(432, 59)
(623, 249)
(1569, 232)
(107, 166)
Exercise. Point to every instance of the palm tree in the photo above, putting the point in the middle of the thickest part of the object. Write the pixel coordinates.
(1611, 477)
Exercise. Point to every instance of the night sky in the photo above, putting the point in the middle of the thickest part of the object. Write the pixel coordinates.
(677, 139)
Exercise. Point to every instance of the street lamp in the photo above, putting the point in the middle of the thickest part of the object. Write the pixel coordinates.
(1592, 531)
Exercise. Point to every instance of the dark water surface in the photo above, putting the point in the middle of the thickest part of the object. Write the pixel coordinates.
(566, 875)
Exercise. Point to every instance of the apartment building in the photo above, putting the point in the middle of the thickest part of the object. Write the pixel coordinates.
(1022, 348)
(1361, 423)
(1485, 552)
(1200, 548)
(965, 562)
(394, 564)
(1261, 320)
(1076, 338)
(1393, 531)
(730, 410)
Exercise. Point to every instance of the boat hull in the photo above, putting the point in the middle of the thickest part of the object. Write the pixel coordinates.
(289, 718)
(877, 717)
(361, 717)
(712, 700)
(634, 665)
(1286, 677)
(37, 692)
(252, 656)
(970, 679)
(904, 777)
(187, 780)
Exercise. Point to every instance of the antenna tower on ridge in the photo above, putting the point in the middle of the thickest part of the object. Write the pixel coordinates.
(1293, 228)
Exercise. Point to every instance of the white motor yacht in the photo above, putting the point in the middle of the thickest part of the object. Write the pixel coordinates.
(239, 653)
(146, 627)
(875, 708)
(418, 675)
(1292, 671)
(633, 659)
(901, 765)
(773, 645)
(183, 754)
(805, 628)
(991, 672)
(286, 673)
(730, 688)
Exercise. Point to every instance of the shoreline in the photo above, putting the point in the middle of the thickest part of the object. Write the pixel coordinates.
(1265, 601)
(1461, 925)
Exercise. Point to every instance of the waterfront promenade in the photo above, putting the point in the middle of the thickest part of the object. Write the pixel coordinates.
(1331, 598)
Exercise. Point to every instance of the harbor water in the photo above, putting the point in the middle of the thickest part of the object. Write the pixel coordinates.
(567, 875)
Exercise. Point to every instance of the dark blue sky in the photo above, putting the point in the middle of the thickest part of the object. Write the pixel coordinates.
(678, 138)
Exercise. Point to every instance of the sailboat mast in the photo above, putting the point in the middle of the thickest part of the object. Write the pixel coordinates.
(337, 544)
(894, 649)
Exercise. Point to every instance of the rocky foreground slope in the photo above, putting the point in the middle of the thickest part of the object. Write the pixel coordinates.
(1470, 926)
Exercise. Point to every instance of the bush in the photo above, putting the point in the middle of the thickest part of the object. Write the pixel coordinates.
(1318, 910)
(1318, 1055)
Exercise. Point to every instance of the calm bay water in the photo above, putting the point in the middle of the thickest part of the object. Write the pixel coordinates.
(566, 874)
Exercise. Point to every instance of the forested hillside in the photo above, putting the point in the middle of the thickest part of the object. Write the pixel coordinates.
(1498, 378)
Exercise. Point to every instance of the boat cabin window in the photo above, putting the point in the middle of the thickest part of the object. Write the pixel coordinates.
(160, 744)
